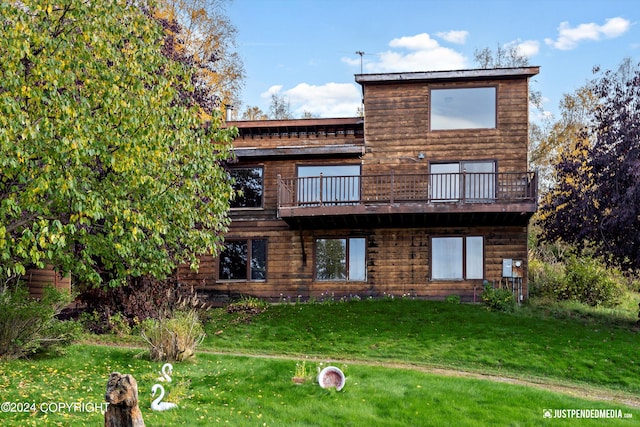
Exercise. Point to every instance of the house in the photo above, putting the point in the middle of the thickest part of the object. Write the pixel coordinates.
(428, 195)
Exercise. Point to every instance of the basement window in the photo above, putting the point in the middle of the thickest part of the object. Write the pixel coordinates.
(243, 260)
(341, 259)
(457, 258)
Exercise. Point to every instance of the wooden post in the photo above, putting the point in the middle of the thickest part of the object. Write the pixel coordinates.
(122, 395)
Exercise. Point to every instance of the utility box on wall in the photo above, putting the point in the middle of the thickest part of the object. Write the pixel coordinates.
(512, 268)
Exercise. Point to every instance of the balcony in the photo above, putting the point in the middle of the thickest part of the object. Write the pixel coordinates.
(410, 200)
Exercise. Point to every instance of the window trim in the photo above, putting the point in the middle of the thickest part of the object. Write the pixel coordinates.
(346, 260)
(250, 208)
(464, 258)
(249, 241)
(459, 129)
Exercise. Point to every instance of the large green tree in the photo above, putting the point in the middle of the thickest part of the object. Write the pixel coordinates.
(106, 169)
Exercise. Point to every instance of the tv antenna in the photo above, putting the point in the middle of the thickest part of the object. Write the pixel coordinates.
(361, 53)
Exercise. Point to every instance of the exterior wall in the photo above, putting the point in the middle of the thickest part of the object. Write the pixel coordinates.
(37, 279)
(397, 128)
(396, 132)
(398, 263)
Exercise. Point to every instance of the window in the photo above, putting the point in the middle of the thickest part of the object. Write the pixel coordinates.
(479, 181)
(463, 108)
(338, 184)
(457, 258)
(341, 259)
(249, 186)
(243, 260)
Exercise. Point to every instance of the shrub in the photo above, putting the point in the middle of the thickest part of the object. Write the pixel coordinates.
(588, 281)
(545, 278)
(117, 309)
(498, 299)
(175, 337)
(29, 325)
(452, 299)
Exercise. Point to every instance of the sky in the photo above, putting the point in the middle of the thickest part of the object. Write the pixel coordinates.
(305, 51)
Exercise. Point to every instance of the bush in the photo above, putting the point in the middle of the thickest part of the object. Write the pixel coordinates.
(29, 325)
(498, 299)
(114, 310)
(589, 282)
(453, 299)
(545, 278)
(175, 337)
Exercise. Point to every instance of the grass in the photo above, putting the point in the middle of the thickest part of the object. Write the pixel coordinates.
(576, 349)
(251, 391)
(385, 348)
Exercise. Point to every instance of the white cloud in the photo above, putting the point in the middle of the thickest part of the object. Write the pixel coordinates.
(455, 36)
(568, 37)
(527, 48)
(327, 100)
(271, 91)
(416, 53)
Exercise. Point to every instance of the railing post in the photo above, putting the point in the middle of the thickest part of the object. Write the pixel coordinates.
(392, 183)
(321, 189)
(278, 195)
(463, 186)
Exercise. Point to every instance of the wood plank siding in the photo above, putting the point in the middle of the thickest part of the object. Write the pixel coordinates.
(390, 212)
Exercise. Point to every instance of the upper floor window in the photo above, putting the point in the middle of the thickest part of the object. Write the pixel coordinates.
(463, 108)
(331, 184)
(475, 181)
(249, 187)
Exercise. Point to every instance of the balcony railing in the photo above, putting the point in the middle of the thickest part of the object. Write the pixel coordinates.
(397, 188)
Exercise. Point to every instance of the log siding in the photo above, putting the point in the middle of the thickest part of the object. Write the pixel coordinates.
(395, 211)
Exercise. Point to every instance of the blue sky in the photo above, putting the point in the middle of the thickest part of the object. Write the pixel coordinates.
(305, 50)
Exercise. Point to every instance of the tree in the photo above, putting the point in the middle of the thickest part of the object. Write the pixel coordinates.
(106, 168)
(279, 109)
(200, 35)
(254, 113)
(506, 57)
(599, 180)
(552, 141)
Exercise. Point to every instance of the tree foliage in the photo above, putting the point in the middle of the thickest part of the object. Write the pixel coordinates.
(200, 35)
(106, 169)
(596, 201)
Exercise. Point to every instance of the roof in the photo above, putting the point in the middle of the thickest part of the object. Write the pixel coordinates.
(296, 123)
(475, 74)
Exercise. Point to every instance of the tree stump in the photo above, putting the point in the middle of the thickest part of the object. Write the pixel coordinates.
(122, 396)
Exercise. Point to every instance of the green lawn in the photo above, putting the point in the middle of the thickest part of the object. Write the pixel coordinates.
(466, 337)
(385, 348)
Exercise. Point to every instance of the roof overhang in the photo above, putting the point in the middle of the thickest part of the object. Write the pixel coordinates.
(343, 150)
(475, 74)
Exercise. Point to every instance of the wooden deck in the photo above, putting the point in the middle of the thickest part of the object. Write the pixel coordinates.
(408, 199)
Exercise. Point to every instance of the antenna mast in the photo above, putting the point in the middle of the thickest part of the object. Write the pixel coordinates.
(361, 53)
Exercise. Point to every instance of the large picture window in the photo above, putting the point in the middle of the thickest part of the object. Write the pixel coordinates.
(463, 108)
(341, 259)
(339, 184)
(243, 260)
(457, 258)
(249, 185)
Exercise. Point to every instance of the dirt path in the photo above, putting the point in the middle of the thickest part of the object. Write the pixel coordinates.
(590, 393)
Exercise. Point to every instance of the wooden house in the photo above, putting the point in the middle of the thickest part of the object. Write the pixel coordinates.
(426, 196)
